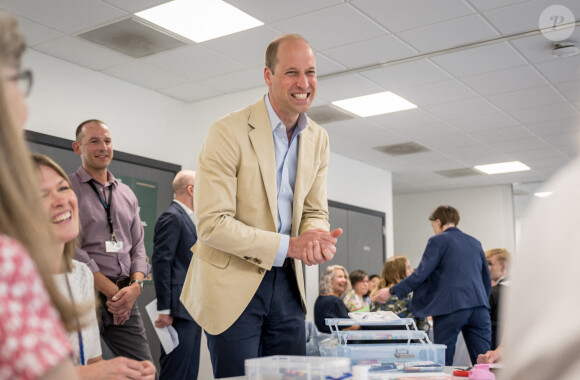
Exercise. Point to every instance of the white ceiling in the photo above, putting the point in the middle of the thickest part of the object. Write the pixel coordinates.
(487, 87)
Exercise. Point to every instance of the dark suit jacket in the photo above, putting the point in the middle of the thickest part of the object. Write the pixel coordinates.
(452, 275)
(175, 234)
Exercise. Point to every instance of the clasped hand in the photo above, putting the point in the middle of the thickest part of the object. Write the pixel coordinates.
(314, 246)
(120, 304)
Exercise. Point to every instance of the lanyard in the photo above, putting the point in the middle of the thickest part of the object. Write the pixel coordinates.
(80, 335)
(106, 206)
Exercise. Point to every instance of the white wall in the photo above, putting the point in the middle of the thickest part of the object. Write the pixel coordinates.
(486, 213)
(142, 122)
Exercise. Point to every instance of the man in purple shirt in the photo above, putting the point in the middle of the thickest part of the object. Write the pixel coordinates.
(111, 241)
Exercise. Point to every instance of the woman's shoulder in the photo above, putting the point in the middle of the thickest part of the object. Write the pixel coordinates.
(81, 270)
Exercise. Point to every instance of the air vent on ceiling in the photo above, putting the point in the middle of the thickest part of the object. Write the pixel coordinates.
(327, 114)
(457, 173)
(132, 37)
(402, 149)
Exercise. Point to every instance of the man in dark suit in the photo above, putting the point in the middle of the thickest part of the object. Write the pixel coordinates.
(175, 234)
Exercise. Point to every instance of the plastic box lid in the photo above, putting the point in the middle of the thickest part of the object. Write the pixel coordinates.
(296, 367)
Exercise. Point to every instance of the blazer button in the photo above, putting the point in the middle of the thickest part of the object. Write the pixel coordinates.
(261, 271)
(257, 261)
(247, 257)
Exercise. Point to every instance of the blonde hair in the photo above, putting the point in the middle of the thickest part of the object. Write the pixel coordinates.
(326, 280)
(23, 217)
(394, 271)
(502, 255)
(69, 246)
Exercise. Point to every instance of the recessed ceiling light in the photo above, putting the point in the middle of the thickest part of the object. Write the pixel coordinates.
(565, 49)
(502, 167)
(375, 104)
(200, 20)
(543, 194)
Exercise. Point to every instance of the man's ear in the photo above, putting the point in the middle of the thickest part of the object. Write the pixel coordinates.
(267, 76)
(76, 147)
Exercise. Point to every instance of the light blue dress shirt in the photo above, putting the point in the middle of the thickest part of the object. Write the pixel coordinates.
(286, 168)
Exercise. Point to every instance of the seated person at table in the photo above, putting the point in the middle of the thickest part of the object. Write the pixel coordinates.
(498, 262)
(356, 300)
(333, 284)
(396, 269)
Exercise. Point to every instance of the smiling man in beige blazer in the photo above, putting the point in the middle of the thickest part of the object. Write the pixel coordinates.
(262, 211)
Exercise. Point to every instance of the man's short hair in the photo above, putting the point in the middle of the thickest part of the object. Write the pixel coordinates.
(446, 214)
(79, 131)
(271, 56)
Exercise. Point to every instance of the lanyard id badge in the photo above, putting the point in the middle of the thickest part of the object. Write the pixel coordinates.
(112, 245)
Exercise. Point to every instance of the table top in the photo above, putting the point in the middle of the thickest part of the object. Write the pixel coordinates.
(448, 371)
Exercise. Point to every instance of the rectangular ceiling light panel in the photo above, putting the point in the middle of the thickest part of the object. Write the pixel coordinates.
(502, 167)
(200, 20)
(375, 104)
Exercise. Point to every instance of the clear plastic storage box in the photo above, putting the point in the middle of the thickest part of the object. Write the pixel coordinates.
(406, 349)
(296, 367)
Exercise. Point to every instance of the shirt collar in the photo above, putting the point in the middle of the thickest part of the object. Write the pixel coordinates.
(86, 177)
(185, 208)
(275, 121)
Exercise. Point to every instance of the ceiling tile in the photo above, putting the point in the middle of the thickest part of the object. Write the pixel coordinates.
(504, 80)
(144, 75)
(133, 6)
(480, 60)
(416, 132)
(518, 145)
(434, 93)
(236, 81)
(35, 33)
(406, 74)
(326, 66)
(342, 25)
(448, 142)
(448, 34)
(464, 153)
(484, 5)
(545, 113)
(193, 62)
(561, 70)
(333, 88)
(462, 108)
(266, 11)
(496, 120)
(83, 53)
(398, 15)
(555, 126)
(524, 16)
(571, 90)
(535, 48)
(404, 119)
(190, 92)
(247, 46)
(530, 97)
(563, 139)
(502, 134)
(80, 15)
(370, 52)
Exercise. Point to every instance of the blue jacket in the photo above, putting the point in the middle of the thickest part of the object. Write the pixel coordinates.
(175, 234)
(451, 276)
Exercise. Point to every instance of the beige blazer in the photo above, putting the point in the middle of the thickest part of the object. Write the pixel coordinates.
(236, 207)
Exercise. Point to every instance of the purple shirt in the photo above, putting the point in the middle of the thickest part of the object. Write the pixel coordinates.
(95, 229)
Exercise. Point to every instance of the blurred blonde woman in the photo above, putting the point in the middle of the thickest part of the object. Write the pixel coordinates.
(32, 339)
(395, 270)
(333, 285)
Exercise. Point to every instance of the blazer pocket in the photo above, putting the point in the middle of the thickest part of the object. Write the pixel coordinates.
(213, 256)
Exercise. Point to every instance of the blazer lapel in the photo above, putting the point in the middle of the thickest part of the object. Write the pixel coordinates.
(262, 142)
(305, 163)
(186, 218)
